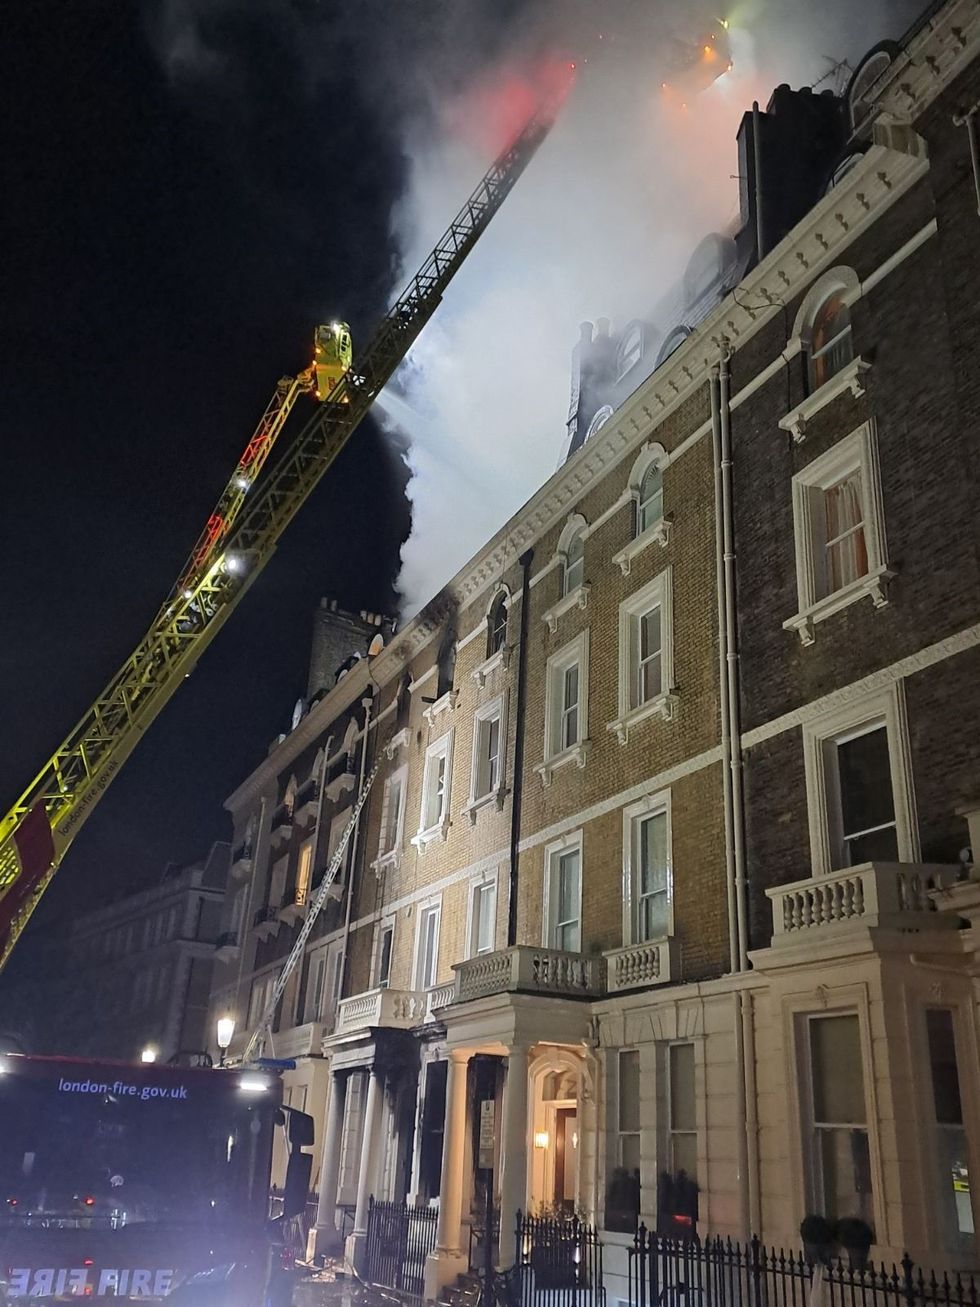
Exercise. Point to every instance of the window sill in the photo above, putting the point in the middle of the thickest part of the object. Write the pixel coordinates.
(397, 741)
(664, 706)
(848, 378)
(495, 797)
(578, 753)
(658, 533)
(499, 659)
(874, 585)
(423, 838)
(577, 598)
(446, 703)
(386, 861)
(345, 781)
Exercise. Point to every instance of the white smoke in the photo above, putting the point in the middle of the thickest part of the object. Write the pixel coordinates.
(601, 224)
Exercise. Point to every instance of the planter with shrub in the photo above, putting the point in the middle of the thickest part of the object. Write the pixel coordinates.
(857, 1237)
(818, 1239)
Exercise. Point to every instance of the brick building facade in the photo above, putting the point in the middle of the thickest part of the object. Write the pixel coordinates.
(663, 857)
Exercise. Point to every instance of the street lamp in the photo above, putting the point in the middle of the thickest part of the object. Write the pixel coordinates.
(225, 1031)
(149, 1054)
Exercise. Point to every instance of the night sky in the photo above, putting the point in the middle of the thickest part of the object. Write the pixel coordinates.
(168, 247)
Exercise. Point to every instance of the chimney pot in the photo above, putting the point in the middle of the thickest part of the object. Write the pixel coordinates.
(602, 326)
(585, 331)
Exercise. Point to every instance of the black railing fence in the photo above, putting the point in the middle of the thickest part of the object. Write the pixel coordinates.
(716, 1272)
(399, 1238)
(559, 1263)
(297, 1227)
(478, 1240)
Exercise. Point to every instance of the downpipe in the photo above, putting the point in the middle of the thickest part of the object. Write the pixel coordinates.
(969, 121)
(366, 703)
(525, 561)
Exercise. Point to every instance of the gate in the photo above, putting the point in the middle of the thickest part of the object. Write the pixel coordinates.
(559, 1263)
(399, 1238)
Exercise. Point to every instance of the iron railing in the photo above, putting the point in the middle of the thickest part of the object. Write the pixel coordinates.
(559, 1263)
(716, 1272)
(478, 1240)
(399, 1239)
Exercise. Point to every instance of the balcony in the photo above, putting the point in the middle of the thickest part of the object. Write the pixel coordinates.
(300, 1041)
(893, 895)
(439, 998)
(340, 778)
(266, 922)
(293, 911)
(282, 828)
(226, 945)
(397, 1009)
(306, 803)
(526, 970)
(654, 962)
(241, 862)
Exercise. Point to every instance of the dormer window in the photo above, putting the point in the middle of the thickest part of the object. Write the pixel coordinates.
(831, 347)
(573, 574)
(601, 417)
(650, 503)
(630, 349)
(497, 625)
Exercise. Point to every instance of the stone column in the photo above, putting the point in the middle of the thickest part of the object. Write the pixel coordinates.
(356, 1242)
(514, 1152)
(324, 1236)
(448, 1260)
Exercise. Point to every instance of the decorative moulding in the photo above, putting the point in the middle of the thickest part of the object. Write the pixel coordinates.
(658, 533)
(664, 706)
(577, 598)
(850, 377)
(345, 781)
(578, 753)
(423, 838)
(501, 658)
(495, 797)
(446, 703)
(398, 741)
(874, 585)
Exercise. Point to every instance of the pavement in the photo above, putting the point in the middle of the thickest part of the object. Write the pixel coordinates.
(331, 1287)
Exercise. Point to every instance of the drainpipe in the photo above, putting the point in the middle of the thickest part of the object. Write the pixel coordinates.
(760, 233)
(751, 1131)
(969, 121)
(731, 655)
(515, 807)
(366, 705)
(726, 773)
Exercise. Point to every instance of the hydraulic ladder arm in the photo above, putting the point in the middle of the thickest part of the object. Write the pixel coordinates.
(38, 829)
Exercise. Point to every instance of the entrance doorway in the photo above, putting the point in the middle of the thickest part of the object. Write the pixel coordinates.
(554, 1179)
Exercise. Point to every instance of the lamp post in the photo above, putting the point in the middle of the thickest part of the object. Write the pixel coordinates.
(225, 1031)
(149, 1054)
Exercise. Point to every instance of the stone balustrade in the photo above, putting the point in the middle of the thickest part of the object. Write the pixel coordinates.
(299, 1041)
(638, 965)
(397, 1008)
(528, 970)
(898, 895)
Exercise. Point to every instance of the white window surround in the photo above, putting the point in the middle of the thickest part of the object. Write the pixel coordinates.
(385, 925)
(486, 712)
(445, 703)
(575, 527)
(398, 741)
(571, 842)
(656, 532)
(849, 377)
(659, 591)
(488, 880)
(389, 856)
(573, 654)
(441, 748)
(577, 598)
(652, 805)
(482, 671)
(855, 451)
(884, 706)
(429, 907)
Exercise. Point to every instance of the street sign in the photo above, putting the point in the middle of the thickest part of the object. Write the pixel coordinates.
(486, 1133)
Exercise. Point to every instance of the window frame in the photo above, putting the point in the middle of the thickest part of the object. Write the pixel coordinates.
(389, 849)
(382, 976)
(630, 349)
(855, 451)
(656, 593)
(887, 707)
(671, 1132)
(488, 881)
(493, 710)
(554, 852)
(653, 805)
(652, 454)
(442, 748)
(303, 888)
(832, 291)
(497, 632)
(429, 908)
(555, 754)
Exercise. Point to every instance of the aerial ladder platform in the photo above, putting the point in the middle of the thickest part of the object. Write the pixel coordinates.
(236, 544)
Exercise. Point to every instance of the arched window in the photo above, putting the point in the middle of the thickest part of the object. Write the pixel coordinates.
(630, 349)
(602, 416)
(674, 340)
(650, 504)
(497, 624)
(830, 347)
(573, 575)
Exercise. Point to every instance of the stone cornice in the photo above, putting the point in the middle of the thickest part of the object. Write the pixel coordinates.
(931, 61)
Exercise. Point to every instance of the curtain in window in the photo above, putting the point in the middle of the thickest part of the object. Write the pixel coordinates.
(846, 549)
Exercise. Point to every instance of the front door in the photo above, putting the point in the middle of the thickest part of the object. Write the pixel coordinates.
(566, 1157)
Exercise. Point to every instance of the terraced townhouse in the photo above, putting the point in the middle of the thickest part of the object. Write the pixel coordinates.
(666, 877)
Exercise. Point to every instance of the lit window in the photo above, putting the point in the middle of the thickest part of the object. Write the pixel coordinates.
(831, 346)
(304, 872)
(573, 574)
(838, 531)
(497, 625)
(952, 1156)
(650, 503)
(484, 918)
(427, 947)
(839, 1160)
(564, 898)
